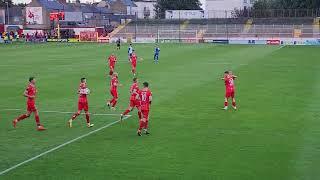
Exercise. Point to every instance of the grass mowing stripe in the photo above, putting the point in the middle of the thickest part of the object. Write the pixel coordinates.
(60, 146)
(62, 112)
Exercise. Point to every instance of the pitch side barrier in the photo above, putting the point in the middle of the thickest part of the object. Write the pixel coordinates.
(243, 41)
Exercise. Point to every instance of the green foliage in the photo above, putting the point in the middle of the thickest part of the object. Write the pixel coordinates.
(287, 4)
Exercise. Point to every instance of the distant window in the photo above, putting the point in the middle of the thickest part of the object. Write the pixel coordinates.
(245, 1)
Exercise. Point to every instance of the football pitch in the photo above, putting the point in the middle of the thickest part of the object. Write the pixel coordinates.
(274, 134)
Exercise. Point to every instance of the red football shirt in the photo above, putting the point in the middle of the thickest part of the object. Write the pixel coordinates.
(134, 90)
(31, 91)
(112, 60)
(134, 59)
(146, 98)
(82, 97)
(229, 82)
(114, 84)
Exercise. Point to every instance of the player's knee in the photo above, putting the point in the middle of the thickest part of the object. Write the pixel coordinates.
(28, 115)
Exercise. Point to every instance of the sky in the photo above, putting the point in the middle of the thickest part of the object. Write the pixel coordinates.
(27, 1)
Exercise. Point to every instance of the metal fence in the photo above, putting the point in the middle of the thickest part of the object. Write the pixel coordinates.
(212, 14)
(211, 31)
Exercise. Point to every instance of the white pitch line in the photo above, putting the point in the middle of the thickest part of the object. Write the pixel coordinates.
(62, 112)
(60, 146)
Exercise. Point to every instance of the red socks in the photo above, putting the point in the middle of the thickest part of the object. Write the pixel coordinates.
(234, 104)
(146, 124)
(113, 102)
(37, 120)
(24, 116)
(141, 125)
(126, 112)
(87, 117)
(75, 116)
(139, 114)
(226, 103)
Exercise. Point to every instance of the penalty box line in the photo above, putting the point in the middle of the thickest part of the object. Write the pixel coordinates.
(62, 112)
(60, 146)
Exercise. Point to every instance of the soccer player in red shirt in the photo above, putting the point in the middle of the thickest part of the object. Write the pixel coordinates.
(134, 99)
(230, 89)
(146, 99)
(112, 62)
(114, 83)
(133, 60)
(83, 92)
(30, 93)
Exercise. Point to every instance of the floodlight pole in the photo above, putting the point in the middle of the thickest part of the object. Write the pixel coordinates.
(8, 20)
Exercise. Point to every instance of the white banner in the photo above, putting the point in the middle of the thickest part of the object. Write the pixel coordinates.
(186, 14)
(34, 15)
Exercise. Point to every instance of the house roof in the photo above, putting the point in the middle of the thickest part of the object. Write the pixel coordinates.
(87, 8)
(125, 2)
(51, 4)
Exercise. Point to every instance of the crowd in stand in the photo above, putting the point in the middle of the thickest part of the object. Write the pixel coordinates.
(9, 37)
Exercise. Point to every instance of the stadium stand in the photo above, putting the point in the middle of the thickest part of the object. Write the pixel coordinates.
(222, 28)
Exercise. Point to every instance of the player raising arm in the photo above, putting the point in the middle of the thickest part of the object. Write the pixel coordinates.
(30, 93)
(114, 83)
(83, 92)
(112, 62)
(134, 99)
(146, 99)
(229, 78)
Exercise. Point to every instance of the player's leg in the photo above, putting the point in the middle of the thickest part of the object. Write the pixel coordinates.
(75, 115)
(110, 71)
(146, 124)
(233, 101)
(141, 125)
(20, 118)
(87, 114)
(129, 109)
(109, 102)
(114, 100)
(37, 118)
(225, 103)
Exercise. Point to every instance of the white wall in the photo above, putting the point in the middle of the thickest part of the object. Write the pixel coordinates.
(140, 9)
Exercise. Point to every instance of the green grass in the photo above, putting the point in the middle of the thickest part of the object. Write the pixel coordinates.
(274, 134)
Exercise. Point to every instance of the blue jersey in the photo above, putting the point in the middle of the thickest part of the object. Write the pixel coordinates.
(157, 50)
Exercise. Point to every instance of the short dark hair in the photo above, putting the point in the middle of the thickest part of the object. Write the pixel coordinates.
(146, 84)
(226, 72)
(82, 79)
(31, 79)
(130, 44)
(134, 79)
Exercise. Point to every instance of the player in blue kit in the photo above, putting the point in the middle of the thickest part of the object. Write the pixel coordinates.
(156, 54)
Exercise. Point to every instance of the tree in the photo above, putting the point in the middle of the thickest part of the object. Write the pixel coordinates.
(163, 5)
